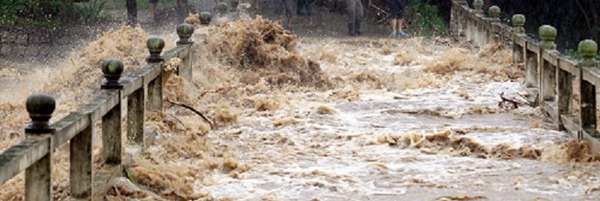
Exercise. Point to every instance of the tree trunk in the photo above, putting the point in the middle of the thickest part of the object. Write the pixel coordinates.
(182, 10)
(132, 12)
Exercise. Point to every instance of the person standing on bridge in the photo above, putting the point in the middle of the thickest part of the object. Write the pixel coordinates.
(397, 8)
(303, 4)
(355, 16)
(284, 7)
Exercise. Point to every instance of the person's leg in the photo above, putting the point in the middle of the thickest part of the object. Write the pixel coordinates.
(307, 6)
(359, 16)
(401, 24)
(395, 9)
(299, 5)
(351, 8)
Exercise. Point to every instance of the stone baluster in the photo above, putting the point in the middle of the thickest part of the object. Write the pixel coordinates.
(112, 69)
(185, 31)
(548, 87)
(38, 177)
(155, 46)
(588, 50)
(548, 35)
(111, 121)
(518, 21)
(493, 32)
(478, 7)
(494, 14)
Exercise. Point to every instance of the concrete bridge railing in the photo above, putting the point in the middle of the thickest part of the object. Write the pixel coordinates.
(134, 95)
(553, 80)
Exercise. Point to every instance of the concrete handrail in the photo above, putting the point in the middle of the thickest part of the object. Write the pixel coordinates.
(550, 75)
(136, 93)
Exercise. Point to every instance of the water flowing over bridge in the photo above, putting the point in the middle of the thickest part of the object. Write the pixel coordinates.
(354, 151)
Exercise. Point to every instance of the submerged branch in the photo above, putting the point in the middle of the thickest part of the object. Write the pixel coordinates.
(193, 110)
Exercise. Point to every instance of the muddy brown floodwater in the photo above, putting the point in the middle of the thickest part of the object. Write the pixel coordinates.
(309, 118)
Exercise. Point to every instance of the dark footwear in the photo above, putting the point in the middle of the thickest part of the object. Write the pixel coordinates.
(351, 30)
(357, 27)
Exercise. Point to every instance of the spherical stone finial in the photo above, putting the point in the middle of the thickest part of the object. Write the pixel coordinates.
(222, 7)
(155, 46)
(40, 107)
(518, 21)
(588, 49)
(185, 31)
(478, 7)
(205, 17)
(494, 12)
(548, 35)
(112, 69)
(478, 4)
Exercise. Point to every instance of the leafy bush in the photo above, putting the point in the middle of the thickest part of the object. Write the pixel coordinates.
(26, 12)
(91, 11)
(47, 12)
(423, 19)
(573, 53)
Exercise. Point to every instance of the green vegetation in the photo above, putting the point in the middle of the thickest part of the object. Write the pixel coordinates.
(40, 13)
(48, 13)
(91, 11)
(573, 53)
(423, 19)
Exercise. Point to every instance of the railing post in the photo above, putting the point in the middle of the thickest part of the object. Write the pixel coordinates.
(478, 29)
(456, 18)
(470, 26)
(155, 46)
(81, 170)
(548, 85)
(478, 7)
(462, 19)
(588, 50)
(531, 64)
(494, 33)
(111, 121)
(565, 93)
(185, 31)
(518, 21)
(38, 177)
(135, 116)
